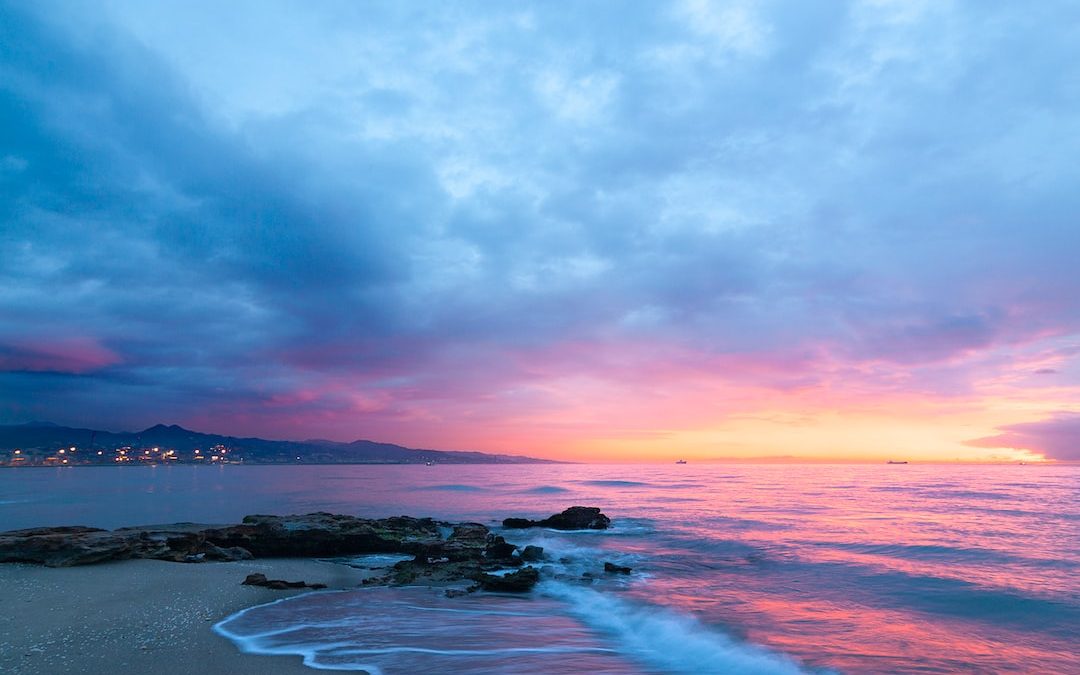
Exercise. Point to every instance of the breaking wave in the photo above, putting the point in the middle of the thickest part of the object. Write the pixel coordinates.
(664, 639)
(562, 629)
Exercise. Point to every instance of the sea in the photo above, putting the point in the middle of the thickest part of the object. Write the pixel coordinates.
(737, 568)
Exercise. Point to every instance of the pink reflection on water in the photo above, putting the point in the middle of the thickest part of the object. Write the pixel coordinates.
(911, 569)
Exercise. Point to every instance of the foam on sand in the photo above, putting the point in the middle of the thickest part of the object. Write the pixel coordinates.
(562, 629)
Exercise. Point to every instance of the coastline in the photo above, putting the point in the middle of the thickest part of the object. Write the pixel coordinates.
(144, 616)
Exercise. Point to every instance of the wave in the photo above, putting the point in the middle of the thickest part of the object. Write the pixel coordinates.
(409, 630)
(666, 640)
(545, 490)
(561, 629)
(635, 483)
(454, 487)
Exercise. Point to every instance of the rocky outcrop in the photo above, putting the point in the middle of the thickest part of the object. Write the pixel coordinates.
(64, 546)
(470, 553)
(532, 553)
(311, 535)
(259, 579)
(498, 549)
(573, 518)
(612, 568)
(516, 582)
(327, 534)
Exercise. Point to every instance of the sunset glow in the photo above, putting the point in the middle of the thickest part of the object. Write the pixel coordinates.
(713, 232)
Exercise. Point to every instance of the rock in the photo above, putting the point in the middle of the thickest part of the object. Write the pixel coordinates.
(211, 552)
(259, 579)
(470, 533)
(468, 541)
(311, 535)
(498, 549)
(456, 592)
(470, 553)
(402, 574)
(532, 553)
(612, 568)
(573, 518)
(237, 553)
(326, 534)
(64, 546)
(578, 518)
(520, 581)
(517, 523)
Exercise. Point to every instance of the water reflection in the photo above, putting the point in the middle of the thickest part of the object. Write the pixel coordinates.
(860, 568)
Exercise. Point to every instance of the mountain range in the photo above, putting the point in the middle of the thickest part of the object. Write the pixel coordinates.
(47, 437)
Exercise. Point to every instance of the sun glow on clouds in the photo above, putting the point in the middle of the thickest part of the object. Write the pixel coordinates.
(706, 230)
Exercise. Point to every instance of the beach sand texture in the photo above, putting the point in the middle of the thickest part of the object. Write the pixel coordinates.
(142, 616)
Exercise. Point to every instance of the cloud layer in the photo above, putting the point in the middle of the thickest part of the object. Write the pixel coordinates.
(537, 227)
(1057, 436)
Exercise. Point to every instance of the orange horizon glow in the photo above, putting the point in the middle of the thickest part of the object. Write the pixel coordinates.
(652, 402)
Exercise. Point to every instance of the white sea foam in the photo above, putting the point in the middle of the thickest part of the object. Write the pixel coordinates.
(666, 640)
(372, 560)
(387, 631)
(419, 630)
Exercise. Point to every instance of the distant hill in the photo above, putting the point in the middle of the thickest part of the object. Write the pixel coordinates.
(45, 437)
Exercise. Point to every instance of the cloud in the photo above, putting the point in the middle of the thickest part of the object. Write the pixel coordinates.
(71, 355)
(1057, 437)
(366, 214)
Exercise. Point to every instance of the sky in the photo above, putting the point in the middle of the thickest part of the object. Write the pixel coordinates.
(598, 231)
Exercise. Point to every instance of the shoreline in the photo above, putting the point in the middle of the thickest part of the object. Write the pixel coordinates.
(131, 617)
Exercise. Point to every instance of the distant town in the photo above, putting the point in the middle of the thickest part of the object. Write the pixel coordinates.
(125, 455)
(46, 444)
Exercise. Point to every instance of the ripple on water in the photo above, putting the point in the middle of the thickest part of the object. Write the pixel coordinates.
(545, 490)
(453, 487)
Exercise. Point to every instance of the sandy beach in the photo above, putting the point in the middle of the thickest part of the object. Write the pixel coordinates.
(142, 616)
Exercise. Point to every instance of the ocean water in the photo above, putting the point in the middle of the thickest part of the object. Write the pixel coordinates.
(737, 568)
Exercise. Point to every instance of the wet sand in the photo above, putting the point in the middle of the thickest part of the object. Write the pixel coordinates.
(142, 616)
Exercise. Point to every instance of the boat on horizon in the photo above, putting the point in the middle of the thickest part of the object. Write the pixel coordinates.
(894, 462)
(681, 461)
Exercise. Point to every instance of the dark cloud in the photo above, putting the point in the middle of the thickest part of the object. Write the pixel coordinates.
(227, 208)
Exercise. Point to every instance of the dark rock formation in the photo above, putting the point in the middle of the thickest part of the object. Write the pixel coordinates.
(64, 546)
(518, 523)
(612, 568)
(516, 582)
(311, 535)
(498, 549)
(470, 553)
(532, 553)
(259, 579)
(573, 518)
(466, 542)
(326, 534)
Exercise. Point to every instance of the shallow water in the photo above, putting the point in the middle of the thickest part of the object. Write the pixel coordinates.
(852, 568)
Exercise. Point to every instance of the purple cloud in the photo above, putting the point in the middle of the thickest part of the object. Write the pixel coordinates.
(482, 199)
(1057, 437)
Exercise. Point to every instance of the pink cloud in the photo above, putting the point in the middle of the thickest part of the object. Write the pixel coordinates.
(1057, 437)
(75, 355)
